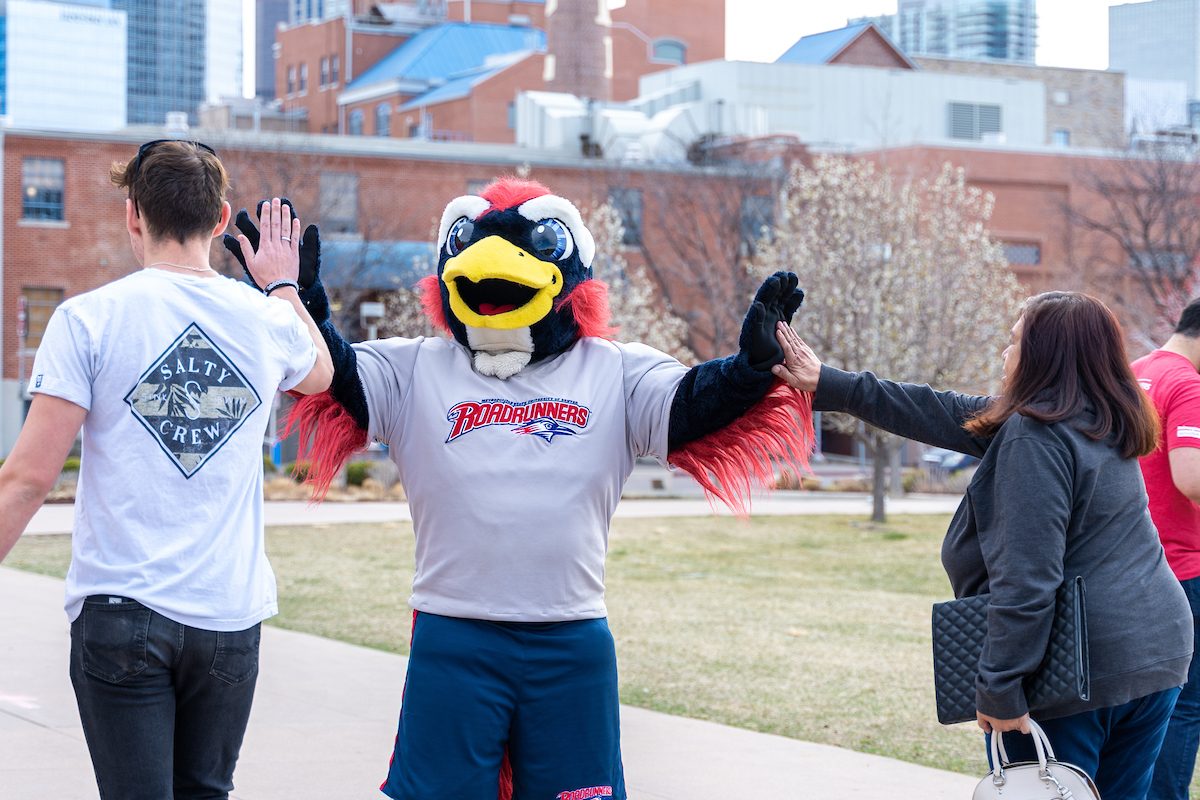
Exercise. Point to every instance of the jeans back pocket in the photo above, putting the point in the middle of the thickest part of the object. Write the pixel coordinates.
(113, 638)
(236, 658)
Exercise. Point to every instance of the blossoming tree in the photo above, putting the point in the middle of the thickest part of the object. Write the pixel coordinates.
(901, 278)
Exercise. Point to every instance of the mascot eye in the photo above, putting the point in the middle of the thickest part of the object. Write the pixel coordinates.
(459, 236)
(551, 240)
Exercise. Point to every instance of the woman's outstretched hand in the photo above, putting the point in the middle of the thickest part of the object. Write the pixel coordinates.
(801, 369)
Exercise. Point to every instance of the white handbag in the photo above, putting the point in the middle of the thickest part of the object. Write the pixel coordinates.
(1044, 779)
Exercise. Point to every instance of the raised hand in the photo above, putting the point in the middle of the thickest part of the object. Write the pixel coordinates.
(275, 256)
(801, 369)
(312, 292)
(776, 301)
(309, 244)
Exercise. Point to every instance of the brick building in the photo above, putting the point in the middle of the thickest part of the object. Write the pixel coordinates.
(1084, 107)
(452, 72)
(62, 232)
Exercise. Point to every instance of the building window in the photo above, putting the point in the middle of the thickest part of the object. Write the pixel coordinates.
(303, 78)
(477, 185)
(291, 80)
(1160, 263)
(339, 202)
(1023, 254)
(1062, 137)
(383, 120)
(512, 116)
(39, 305)
(324, 71)
(758, 219)
(974, 121)
(355, 122)
(1062, 97)
(42, 182)
(628, 204)
(335, 63)
(670, 51)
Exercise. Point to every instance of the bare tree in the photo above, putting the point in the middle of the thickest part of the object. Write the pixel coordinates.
(698, 237)
(326, 192)
(901, 277)
(1138, 216)
(639, 310)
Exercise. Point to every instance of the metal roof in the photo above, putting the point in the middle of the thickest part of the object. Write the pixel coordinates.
(819, 48)
(445, 51)
(461, 86)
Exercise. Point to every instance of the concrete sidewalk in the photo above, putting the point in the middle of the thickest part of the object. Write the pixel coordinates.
(325, 717)
(58, 518)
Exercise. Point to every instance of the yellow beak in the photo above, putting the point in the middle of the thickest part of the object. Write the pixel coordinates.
(495, 274)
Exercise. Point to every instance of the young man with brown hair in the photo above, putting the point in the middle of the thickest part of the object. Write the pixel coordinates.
(170, 373)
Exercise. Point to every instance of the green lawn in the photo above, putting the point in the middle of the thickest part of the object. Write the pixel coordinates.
(810, 627)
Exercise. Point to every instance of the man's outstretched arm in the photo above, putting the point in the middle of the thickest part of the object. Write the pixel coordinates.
(33, 466)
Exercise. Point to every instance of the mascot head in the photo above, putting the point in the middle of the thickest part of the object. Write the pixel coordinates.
(514, 279)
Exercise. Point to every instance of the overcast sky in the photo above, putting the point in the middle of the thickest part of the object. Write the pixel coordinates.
(1071, 33)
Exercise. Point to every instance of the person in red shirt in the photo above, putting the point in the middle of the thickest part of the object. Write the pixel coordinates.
(1172, 474)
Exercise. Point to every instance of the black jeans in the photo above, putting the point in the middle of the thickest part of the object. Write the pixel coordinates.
(164, 706)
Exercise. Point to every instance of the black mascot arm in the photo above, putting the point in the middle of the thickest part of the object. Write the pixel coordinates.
(346, 388)
(715, 393)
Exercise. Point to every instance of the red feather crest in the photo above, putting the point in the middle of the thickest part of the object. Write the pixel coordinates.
(510, 192)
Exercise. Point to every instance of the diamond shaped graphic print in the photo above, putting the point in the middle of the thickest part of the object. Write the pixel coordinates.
(192, 399)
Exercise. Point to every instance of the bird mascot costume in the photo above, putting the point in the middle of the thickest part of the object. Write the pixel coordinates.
(513, 437)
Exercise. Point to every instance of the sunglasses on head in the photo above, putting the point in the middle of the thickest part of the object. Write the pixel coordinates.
(148, 146)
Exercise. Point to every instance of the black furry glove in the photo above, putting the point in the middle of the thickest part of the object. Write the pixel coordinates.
(776, 301)
(312, 292)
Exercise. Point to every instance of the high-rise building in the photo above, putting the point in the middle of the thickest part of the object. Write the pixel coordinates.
(166, 50)
(309, 10)
(1157, 41)
(1003, 30)
(62, 65)
(268, 14)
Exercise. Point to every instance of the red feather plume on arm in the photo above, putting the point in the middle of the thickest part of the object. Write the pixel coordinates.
(730, 462)
(328, 437)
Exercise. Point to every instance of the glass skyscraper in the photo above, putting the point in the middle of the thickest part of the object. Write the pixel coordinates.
(1003, 30)
(166, 48)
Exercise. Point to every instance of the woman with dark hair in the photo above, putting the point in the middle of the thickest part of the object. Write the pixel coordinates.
(1057, 494)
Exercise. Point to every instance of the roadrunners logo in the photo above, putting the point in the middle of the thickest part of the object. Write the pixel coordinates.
(544, 418)
(192, 399)
(585, 794)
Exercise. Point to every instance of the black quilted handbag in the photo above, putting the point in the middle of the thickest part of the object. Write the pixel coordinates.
(959, 630)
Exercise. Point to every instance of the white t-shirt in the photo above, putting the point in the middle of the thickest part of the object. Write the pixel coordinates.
(512, 483)
(177, 373)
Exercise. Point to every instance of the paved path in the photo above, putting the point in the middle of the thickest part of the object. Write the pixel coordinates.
(57, 518)
(325, 715)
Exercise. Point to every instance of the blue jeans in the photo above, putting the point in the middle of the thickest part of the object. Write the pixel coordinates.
(1177, 760)
(164, 706)
(1117, 745)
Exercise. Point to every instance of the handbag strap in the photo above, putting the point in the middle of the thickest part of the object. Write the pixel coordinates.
(1041, 744)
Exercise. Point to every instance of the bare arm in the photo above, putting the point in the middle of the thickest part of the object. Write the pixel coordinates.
(278, 258)
(35, 462)
(1185, 471)
(321, 375)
